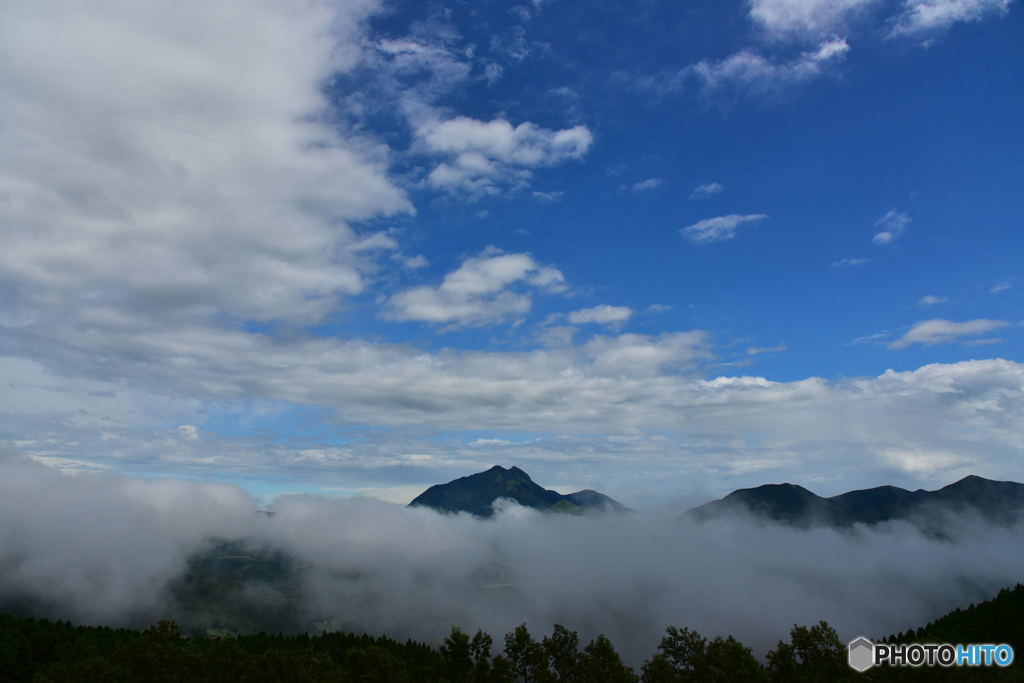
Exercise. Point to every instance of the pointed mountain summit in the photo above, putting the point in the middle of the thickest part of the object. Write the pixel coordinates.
(477, 492)
(997, 502)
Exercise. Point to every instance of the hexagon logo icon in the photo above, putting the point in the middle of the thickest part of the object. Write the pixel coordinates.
(861, 654)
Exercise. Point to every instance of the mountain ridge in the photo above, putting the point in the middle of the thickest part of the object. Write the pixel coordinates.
(1000, 502)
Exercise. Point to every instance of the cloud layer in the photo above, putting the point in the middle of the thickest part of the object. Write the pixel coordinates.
(376, 567)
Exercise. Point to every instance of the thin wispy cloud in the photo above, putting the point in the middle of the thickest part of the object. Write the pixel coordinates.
(643, 185)
(751, 72)
(891, 226)
(719, 228)
(603, 315)
(941, 331)
(926, 18)
(758, 350)
(705, 190)
(1001, 287)
(849, 262)
(932, 300)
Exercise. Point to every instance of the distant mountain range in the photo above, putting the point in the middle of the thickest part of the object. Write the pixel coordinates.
(999, 502)
(477, 492)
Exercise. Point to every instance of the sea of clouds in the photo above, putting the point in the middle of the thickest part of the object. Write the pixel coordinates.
(101, 549)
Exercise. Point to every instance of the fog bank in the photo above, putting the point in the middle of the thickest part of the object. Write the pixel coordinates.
(102, 548)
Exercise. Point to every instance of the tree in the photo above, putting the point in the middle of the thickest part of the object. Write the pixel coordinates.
(683, 650)
(456, 653)
(812, 654)
(480, 651)
(602, 664)
(526, 656)
(727, 660)
(562, 650)
(685, 655)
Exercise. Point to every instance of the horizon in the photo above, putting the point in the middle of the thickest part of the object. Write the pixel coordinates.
(663, 252)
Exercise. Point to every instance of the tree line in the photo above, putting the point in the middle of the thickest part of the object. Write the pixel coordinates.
(41, 650)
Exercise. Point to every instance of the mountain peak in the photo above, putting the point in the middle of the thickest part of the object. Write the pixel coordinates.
(476, 494)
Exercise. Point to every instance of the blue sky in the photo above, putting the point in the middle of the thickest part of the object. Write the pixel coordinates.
(659, 249)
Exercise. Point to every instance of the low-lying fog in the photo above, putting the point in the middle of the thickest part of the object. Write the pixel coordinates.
(101, 549)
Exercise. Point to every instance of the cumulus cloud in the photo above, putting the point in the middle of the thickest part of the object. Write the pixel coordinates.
(603, 314)
(485, 155)
(932, 300)
(479, 291)
(892, 224)
(196, 177)
(805, 18)
(366, 567)
(718, 229)
(939, 331)
(923, 18)
(705, 190)
(752, 72)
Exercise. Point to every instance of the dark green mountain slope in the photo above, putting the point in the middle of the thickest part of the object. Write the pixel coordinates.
(999, 620)
(998, 502)
(477, 492)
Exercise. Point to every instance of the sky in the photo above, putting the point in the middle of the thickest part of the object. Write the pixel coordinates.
(659, 249)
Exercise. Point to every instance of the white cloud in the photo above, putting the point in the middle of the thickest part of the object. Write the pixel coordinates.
(548, 196)
(810, 18)
(892, 224)
(603, 315)
(922, 18)
(618, 385)
(411, 73)
(378, 240)
(932, 300)
(849, 263)
(758, 350)
(489, 443)
(483, 156)
(478, 292)
(643, 185)
(705, 190)
(718, 229)
(1001, 287)
(983, 342)
(750, 71)
(176, 164)
(939, 331)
